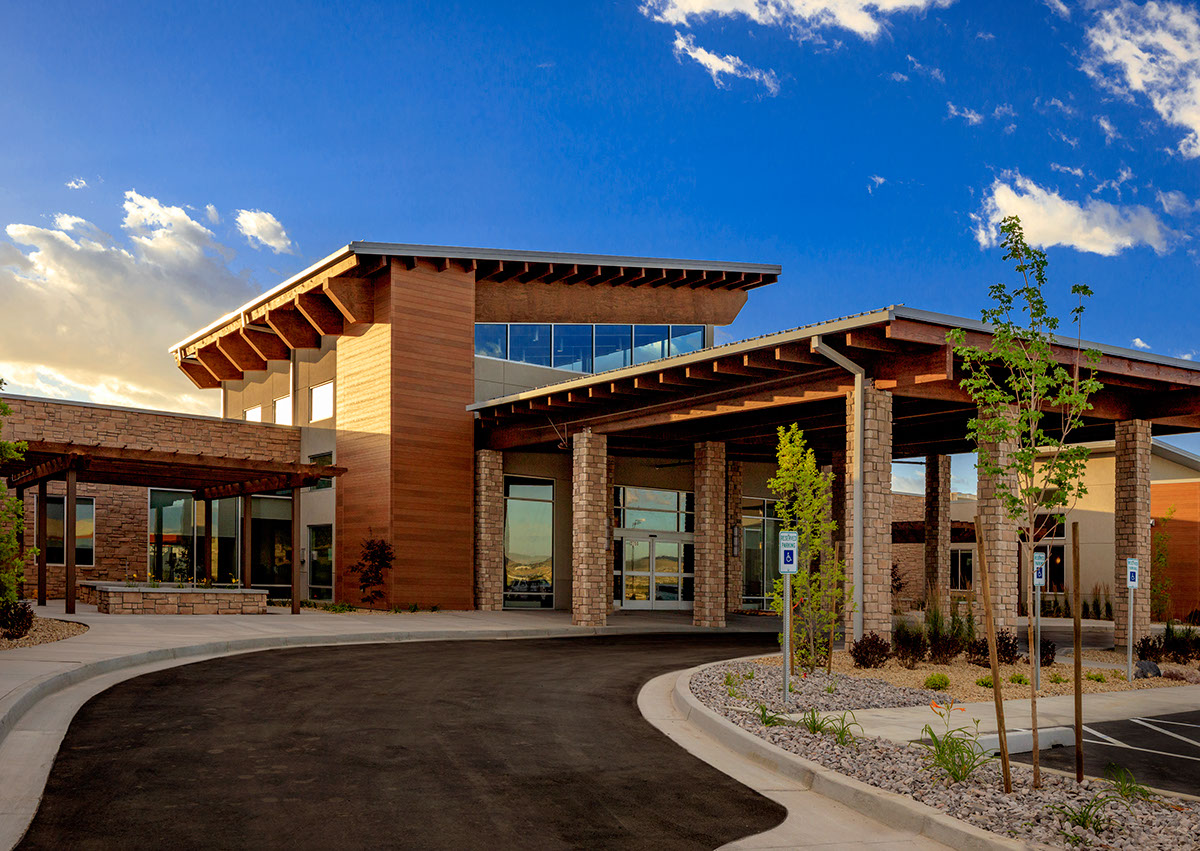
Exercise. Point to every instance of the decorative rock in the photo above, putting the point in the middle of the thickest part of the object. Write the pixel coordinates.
(1145, 669)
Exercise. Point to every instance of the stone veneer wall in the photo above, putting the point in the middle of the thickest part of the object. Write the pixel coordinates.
(999, 532)
(710, 543)
(590, 571)
(937, 529)
(877, 509)
(733, 525)
(121, 511)
(1131, 527)
(173, 601)
(909, 558)
(489, 530)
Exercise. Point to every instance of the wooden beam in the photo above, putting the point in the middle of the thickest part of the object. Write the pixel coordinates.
(354, 297)
(321, 313)
(873, 339)
(701, 372)
(293, 328)
(218, 364)
(266, 484)
(584, 274)
(730, 366)
(1176, 403)
(799, 353)
(247, 550)
(297, 543)
(266, 342)
(69, 536)
(894, 370)
(47, 470)
(765, 360)
(240, 352)
(40, 541)
(208, 532)
(198, 374)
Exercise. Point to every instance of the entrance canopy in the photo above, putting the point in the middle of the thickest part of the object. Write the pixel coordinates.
(740, 393)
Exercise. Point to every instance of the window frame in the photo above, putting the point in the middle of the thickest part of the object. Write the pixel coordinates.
(312, 394)
(79, 501)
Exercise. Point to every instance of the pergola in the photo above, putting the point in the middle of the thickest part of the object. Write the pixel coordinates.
(208, 477)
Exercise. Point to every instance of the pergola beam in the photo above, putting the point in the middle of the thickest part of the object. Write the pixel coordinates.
(52, 469)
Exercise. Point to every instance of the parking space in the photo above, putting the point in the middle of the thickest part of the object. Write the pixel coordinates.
(1162, 751)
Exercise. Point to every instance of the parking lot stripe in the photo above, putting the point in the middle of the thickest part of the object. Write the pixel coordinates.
(1177, 723)
(1100, 735)
(1157, 729)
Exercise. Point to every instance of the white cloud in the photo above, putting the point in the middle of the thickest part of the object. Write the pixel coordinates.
(265, 229)
(1004, 110)
(76, 183)
(898, 77)
(211, 212)
(985, 36)
(1152, 50)
(1139, 343)
(717, 65)
(1058, 7)
(969, 115)
(927, 70)
(802, 18)
(1064, 138)
(1175, 203)
(876, 182)
(1075, 171)
(1010, 128)
(1123, 176)
(1049, 219)
(1110, 132)
(97, 313)
(1055, 103)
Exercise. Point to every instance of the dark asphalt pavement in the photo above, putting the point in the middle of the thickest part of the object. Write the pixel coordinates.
(1162, 752)
(473, 744)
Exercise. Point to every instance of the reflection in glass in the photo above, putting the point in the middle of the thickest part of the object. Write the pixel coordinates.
(530, 344)
(171, 536)
(650, 342)
(521, 488)
(320, 562)
(573, 347)
(491, 340)
(85, 530)
(528, 543)
(271, 545)
(686, 338)
(637, 587)
(614, 346)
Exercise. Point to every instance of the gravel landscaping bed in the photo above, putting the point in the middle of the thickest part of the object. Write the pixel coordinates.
(44, 631)
(1024, 815)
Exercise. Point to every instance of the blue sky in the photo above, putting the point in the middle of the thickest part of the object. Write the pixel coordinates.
(868, 147)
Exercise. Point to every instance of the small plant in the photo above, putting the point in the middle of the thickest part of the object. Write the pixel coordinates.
(956, 751)
(377, 556)
(436, 608)
(1193, 617)
(870, 651)
(985, 681)
(732, 681)
(841, 729)
(1124, 784)
(414, 608)
(909, 644)
(1048, 652)
(1019, 680)
(1149, 648)
(937, 682)
(338, 608)
(1090, 814)
(1096, 677)
(832, 686)
(771, 719)
(1058, 679)
(814, 722)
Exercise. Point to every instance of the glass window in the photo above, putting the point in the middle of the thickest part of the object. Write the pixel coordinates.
(760, 552)
(650, 342)
(253, 415)
(962, 570)
(491, 340)
(171, 535)
(614, 346)
(528, 543)
(573, 347)
(320, 562)
(686, 338)
(271, 544)
(324, 459)
(85, 530)
(655, 510)
(282, 410)
(530, 344)
(320, 402)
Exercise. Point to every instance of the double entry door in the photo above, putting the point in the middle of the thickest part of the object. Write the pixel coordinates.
(656, 571)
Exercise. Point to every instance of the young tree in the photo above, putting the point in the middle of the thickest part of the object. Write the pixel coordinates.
(12, 521)
(377, 556)
(1029, 400)
(819, 591)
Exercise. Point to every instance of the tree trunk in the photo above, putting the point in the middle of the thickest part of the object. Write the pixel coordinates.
(1027, 546)
(989, 622)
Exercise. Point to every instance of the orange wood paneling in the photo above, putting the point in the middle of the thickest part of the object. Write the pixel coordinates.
(1183, 549)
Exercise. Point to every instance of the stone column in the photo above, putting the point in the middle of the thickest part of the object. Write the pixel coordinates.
(877, 510)
(937, 530)
(1131, 527)
(734, 539)
(711, 509)
(590, 573)
(489, 530)
(999, 533)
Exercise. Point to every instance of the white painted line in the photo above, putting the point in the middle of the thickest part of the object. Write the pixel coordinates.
(1100, 735)
(1113, 743)
(1157, 729)
(1176, 723)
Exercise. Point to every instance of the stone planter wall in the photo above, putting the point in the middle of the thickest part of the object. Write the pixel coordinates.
(120, 599)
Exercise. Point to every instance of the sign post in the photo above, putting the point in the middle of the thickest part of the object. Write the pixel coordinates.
(788, 542)
(1131, 583)
(1039, 582)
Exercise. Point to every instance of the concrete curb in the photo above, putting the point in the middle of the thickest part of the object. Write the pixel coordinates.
(888, 807)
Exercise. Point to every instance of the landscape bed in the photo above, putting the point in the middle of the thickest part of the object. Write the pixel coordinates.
(1027, 814)
(44, 631)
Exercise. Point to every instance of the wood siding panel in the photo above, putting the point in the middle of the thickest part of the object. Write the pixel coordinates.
(513, 301)
(1183, 549)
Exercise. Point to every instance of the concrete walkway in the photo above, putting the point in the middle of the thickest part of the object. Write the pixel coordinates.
(42, 687)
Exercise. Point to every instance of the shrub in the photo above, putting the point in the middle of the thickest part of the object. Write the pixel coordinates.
(977, 653)
(1096, 677)
(1058, 679)
(984, 681)
(909, 644)
(944, 645)
(1149, 648)
(1048, 653)
(870, 651)
(937, 682)
(1067, 607)
(377, 556)
(1178, 645)
(1006, 646)
(1019, 680)
(956, 751)
(16, 619)
(1095, 609)
(1193, 617)
(1108, 614)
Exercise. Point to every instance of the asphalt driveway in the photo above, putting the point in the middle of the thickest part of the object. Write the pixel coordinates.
(472, 744)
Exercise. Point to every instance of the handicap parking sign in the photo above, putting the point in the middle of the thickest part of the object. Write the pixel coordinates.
(1039, 569)
(1131, 568)
(788, 542)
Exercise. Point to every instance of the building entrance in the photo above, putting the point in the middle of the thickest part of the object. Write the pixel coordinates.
(655, 571)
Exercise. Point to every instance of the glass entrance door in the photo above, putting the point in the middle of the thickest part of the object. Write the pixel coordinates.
(657, 573)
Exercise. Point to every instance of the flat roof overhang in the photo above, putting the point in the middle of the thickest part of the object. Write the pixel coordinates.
(206, 476)
(741, 392)
(336, 292)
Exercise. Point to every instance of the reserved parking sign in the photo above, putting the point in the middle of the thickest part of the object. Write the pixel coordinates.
(1131, 571)
(788, 542)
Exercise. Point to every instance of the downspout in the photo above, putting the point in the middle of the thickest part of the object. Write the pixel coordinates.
(859, 374)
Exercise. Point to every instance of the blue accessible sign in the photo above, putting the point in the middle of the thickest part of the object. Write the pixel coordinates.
(788, 543)
(1131, 569)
